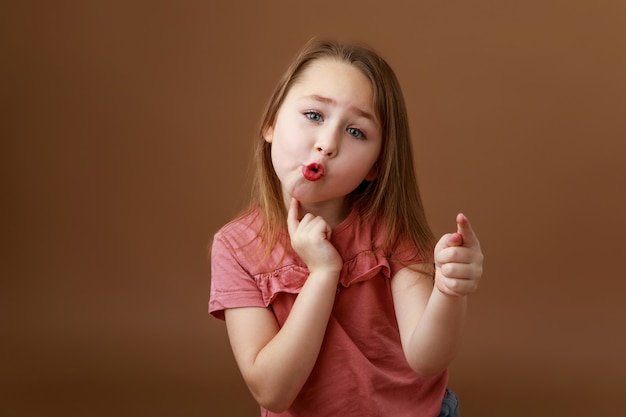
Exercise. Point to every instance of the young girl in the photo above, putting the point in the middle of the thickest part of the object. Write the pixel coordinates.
(336, 298)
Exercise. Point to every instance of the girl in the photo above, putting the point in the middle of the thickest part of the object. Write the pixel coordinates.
(336, 298)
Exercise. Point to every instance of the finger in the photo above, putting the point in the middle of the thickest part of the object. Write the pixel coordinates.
(454, 239)
(329, 231)
(460, 271)
(459, 286)
(464, 228)
(456, 254)
(317, 225)
(442, 243)
(447, 241)
(292, 216)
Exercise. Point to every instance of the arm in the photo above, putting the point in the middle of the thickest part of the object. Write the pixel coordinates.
(431, 317)
(276, 362)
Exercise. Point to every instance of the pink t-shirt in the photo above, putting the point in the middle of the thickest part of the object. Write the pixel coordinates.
(361, 369)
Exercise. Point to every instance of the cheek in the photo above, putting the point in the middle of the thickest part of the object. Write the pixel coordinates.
(369, 157)
(283, 152)
(357, 169)
(370, 170)
(277, 156)
(287, 143)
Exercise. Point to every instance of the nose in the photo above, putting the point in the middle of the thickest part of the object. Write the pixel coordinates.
(327, 143)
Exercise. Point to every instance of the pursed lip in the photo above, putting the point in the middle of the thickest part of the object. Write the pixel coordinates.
(313, 171)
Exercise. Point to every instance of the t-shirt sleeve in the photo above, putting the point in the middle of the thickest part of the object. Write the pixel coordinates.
(232, 285)
(405, 254)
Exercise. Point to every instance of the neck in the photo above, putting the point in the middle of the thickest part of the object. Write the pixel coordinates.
(333, 211)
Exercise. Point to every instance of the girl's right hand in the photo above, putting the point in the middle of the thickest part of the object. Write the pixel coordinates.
(310, 238)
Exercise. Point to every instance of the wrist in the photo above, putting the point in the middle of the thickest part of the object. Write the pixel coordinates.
(325, 274)
(447, 293)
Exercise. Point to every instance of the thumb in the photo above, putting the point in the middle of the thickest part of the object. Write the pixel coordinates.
(447, 240)
(453, 239)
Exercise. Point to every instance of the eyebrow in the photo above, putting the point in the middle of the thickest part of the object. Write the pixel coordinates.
(357, 110)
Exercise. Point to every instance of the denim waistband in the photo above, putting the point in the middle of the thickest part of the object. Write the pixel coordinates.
(449, 405)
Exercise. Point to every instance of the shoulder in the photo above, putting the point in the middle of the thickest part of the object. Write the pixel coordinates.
(237, 237)
(241, 229)
(241, 241)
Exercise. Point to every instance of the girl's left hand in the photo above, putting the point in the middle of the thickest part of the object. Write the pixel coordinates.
(458, 260)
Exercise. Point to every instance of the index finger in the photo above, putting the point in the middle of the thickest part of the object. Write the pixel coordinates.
(292, 216)
(464, 228)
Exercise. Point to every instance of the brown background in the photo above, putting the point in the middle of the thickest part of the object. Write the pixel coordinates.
(126, 131)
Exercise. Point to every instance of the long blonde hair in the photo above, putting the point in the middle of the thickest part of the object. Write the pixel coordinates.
(393, 197)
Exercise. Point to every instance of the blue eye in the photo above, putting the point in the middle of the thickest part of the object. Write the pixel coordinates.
(355, 132)
(314, 116)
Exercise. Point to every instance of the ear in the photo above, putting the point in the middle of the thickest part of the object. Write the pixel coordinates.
(268, 134)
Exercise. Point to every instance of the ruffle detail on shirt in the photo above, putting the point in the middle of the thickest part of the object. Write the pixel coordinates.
(286, 279)
(365, 265)
(290, 278)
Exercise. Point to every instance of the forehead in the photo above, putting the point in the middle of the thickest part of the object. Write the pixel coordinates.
(336, 80)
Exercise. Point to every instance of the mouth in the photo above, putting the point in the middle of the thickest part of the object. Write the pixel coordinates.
(313, 172)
